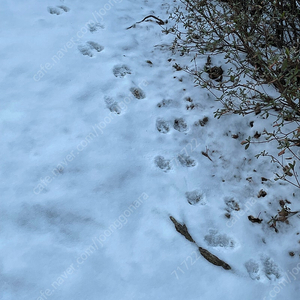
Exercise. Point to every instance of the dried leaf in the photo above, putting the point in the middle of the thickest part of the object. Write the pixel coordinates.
(254, 220)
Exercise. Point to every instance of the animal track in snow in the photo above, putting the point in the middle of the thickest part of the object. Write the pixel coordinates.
(64, 8)
(162, 126)
(121, 70)
(231, 205)
(270, 268)
(112, 105)
(165, 103)
(95, 27)
(162, 163)
(180, 125)
(137, 93)
(194, 197)
(267, 267)
(89, 48)
(58, 9)
(216, 239)
(186, 160)
(252, 268)
(54, 11)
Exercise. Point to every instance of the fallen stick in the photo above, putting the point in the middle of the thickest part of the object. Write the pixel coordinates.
(159, 21)
(182, 229)
(206, 154)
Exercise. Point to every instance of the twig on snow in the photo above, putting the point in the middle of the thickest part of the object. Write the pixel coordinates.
(159, 21)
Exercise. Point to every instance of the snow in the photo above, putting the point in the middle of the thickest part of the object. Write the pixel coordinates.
(90, 173)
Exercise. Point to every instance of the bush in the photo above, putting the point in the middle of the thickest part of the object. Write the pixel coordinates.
(260, 43)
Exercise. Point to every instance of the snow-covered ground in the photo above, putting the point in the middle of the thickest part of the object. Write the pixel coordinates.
(101, 143)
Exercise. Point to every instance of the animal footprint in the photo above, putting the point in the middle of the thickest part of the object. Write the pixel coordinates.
(216, 239)
(165, 103)
(271, 270)
(162, 126)
(88, 48)
(186, 160)
(58, 9)
(162, 163)
(194, 197)
(64, 8)
(137, 93)
(112, 105)
(231, 205)
(180, 125)
(95, 27)
(121, 70)
(252, 268)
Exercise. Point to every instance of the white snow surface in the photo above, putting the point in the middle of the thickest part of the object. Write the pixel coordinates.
(90, 173)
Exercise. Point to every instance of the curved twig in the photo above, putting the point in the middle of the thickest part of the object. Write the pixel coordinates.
(159, 21)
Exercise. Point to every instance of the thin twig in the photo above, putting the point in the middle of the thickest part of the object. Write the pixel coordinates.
(159, 21)
(206, 154)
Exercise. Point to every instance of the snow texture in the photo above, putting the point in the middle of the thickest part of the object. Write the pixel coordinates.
(99, 148)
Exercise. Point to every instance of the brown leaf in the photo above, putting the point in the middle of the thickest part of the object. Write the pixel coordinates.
(254, 220)
(262, 193)
(283, 213)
